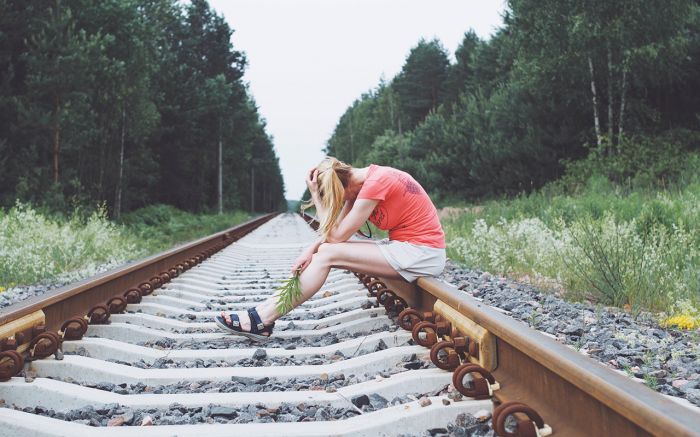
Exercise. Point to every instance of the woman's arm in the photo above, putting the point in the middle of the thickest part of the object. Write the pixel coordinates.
(347, 206)
(351, 217)
(354, 219)
(315, 245)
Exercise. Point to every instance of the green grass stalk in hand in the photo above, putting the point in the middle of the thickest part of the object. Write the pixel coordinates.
(289, 292)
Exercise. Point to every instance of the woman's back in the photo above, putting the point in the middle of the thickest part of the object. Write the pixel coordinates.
(404, 208)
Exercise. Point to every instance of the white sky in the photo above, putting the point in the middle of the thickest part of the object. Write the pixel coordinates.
(308, 60)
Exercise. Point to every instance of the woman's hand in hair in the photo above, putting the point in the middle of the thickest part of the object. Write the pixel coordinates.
(312, 183)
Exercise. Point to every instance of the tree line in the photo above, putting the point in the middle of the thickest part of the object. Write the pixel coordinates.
(557, 80)
(129, 103)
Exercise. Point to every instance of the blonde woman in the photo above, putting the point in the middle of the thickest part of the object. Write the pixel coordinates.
(345, 197)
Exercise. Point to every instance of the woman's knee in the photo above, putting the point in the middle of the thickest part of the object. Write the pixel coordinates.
(326, 253)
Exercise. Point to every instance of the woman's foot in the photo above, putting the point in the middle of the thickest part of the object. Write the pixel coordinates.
(242, 317)
(248, 324)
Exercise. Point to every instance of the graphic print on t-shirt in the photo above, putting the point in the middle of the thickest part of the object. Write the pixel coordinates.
(379, 217)
(408, 185)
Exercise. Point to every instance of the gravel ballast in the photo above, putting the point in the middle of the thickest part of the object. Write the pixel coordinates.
(666, 360)
(20, 293)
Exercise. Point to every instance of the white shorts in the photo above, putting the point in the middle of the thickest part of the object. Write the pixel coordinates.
(412, 261)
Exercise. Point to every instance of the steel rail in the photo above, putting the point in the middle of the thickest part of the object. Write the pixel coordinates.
(75, 300)
(575, 395)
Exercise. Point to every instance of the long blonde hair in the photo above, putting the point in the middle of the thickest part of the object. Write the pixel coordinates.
(333, 177)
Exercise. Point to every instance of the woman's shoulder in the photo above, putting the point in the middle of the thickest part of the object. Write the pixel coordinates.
(382, 171)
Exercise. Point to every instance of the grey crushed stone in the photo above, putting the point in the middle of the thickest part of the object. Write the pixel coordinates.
(299, 314)
(465, 425)
(275, 342)
(177, 414)
(20, 293)
(634, 343)
(328, 382)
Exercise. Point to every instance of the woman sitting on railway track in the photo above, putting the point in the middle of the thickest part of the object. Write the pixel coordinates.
(345, 197)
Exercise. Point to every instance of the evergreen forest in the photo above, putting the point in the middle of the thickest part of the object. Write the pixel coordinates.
(614, 85)
(129, 103)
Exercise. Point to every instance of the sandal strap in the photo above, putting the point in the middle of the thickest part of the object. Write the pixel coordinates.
(235, 322)
(256, 323)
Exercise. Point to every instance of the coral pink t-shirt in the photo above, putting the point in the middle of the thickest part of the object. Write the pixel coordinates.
(404, 208)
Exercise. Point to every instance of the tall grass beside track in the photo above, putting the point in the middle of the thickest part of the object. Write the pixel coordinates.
(37, 247)
(638, 249)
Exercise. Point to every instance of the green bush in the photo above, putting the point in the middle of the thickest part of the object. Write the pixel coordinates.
(616, 264)
(158, 227)
(36, 246)
(670, 160)
(640, 249)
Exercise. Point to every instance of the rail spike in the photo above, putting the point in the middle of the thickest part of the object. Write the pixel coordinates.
(11, 364)
(155, 282)
(410, 317)
(116, 305)
(44, 345)
(394, 304)
(533, 426)
(146, 288)
(73, 328)
(367, 279)
(132, 295)
(477, 388)
(426, 334)
(383, 295)
(98, 315)
(374, 286)
(446, 354)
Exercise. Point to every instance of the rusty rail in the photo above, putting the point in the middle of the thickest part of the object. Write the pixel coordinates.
(575, 394)
(539, 380)
(38, 324)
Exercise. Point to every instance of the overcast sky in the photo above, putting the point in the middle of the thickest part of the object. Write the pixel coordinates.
(308, 60)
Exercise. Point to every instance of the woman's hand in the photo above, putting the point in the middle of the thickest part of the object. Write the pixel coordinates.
(302, 262)
(312, 183)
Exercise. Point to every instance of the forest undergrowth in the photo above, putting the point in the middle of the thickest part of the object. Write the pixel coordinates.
(637, 249)
(37, 246)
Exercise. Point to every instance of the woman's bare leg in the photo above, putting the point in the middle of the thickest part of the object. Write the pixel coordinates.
(357, 256)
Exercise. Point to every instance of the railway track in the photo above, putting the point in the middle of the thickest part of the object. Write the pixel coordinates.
(365, 356)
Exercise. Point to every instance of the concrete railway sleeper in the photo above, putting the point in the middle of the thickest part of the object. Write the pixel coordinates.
(364, 356)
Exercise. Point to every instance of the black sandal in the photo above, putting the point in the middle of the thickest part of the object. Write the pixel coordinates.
(257, 327)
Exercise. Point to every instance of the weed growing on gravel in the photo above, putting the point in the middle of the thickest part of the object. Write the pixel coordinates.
(535, 319)
(651, 381)
(687, 317)
(628, 370)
